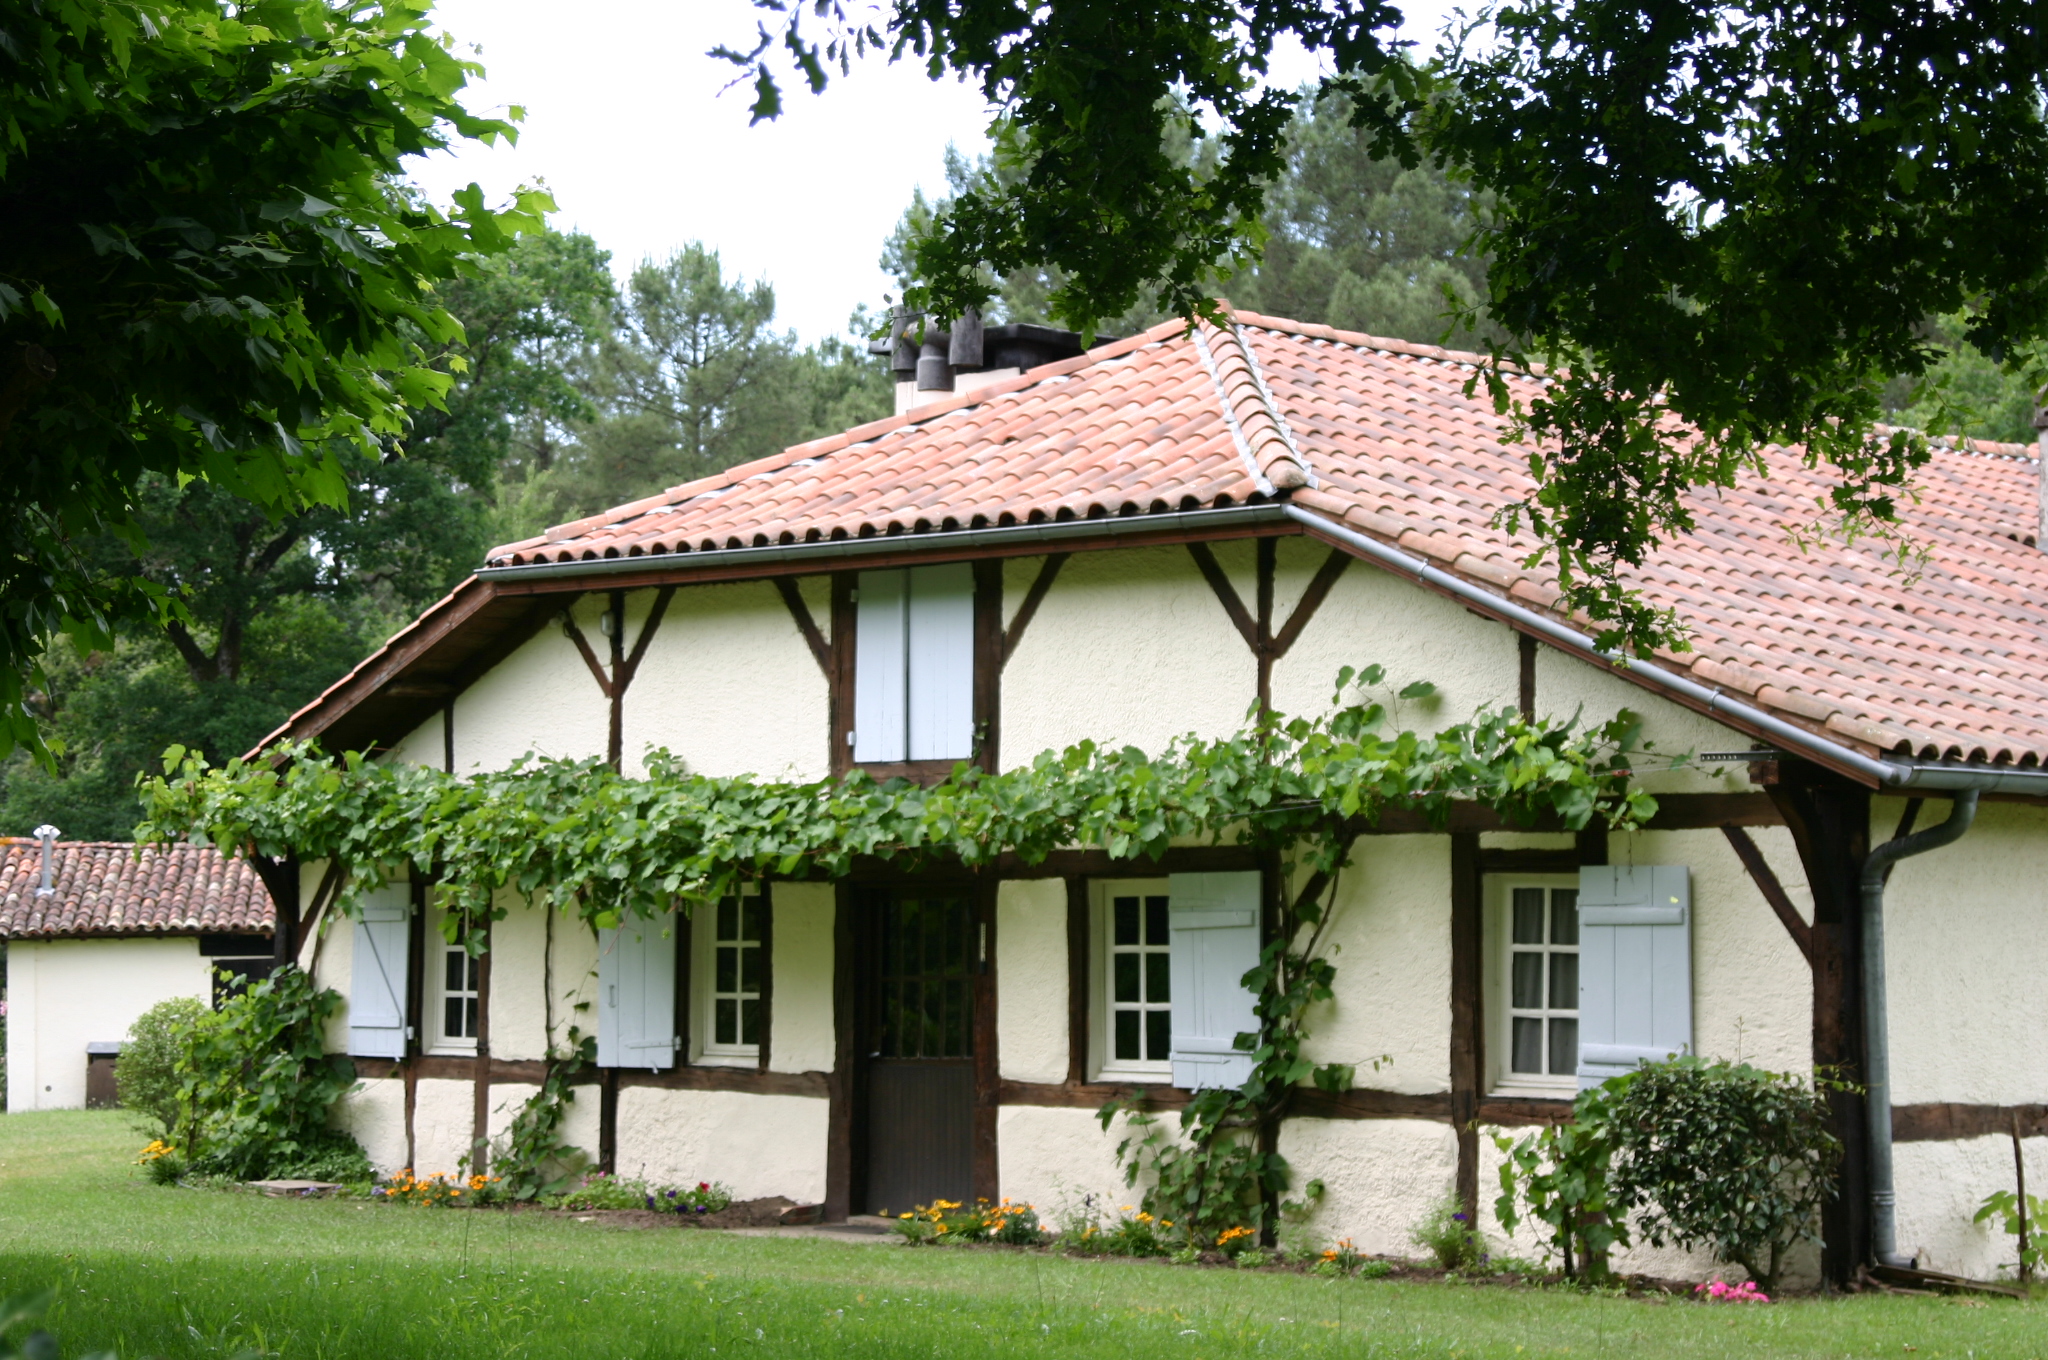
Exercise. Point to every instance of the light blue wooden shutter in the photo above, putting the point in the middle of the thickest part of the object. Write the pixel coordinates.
(942, 662)
(636, 994)
(1215, 942)
(1635, 968)
(378, 970)
(880, 639)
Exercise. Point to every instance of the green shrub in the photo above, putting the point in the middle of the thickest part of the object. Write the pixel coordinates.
(2004, 1205)
(256, 1085)
(1375, 1270)
(535, 1159)
(146, 1074)
(1447, 1233)
(1725, 1155)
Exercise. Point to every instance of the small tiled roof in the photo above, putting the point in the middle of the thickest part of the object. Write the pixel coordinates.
(1951, 661)
(105, 888)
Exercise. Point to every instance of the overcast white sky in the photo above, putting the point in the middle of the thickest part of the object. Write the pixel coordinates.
(627, 126)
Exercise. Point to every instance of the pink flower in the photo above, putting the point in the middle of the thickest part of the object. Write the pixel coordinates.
(1720, 1291)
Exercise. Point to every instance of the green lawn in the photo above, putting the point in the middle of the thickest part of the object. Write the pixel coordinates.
(185, 1273)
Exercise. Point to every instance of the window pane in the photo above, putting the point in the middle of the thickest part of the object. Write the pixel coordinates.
(451, 1017)
(1126, 920)
(1126, 986)
(750, 1022)
(750, 968)
(1528, 1046)
(1528, 981)
(750, 918)
(1564, 982)
(1155, 920)
(453, 972)
(476, 972)
(1528, 916)
(728, 919)
(1564, 1047)
(726, 972)
(725, 1025)
(469, 1018)
(1158, 975)
(1564, 916)
(1159, 1035)
(1127, 1036)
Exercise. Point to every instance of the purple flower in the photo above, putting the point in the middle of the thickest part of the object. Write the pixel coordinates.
(1457, 1218)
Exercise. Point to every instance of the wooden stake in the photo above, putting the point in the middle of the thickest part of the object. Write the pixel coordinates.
(2019, 1167)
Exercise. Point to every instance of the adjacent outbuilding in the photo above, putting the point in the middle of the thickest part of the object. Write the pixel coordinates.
(96, 933)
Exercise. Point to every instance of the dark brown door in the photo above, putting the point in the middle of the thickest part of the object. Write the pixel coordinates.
(920, 1051)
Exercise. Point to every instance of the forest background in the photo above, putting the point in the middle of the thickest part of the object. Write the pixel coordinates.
(573, 393)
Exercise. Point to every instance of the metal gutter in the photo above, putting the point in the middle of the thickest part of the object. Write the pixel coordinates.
(1877, 1062)
(1890, 772)
(1052, 534)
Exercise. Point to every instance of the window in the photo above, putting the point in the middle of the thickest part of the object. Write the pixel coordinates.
(1538, 926)
(913, 687)
(1133, 968)
(453, 985)
(731, 953)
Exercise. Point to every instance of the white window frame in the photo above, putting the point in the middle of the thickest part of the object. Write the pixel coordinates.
(1102, 1065)
(434, 975)
(706, 1051)
(1500, 1010)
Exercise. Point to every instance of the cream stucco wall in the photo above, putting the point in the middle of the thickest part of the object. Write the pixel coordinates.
(65, 994)
(518, 1006)
(542, 699)
(1129, 647)
(1061, 1162)
(728, 683)
(1031, 979)
(760, 1145)
(1390, 941)
(375, 1113)
(424, 745)
(443, 1123)
(1565, 685)
(801, 1037)
(1380, 1178)
(1966, 949)
(1941, 1185)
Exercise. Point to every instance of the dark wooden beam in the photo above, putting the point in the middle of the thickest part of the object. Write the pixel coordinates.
(1266, 554)
(608, 1121)
(1767, 883)
(583, 648)
(767, 1029)
(988, 654)
(1034, 597)
(793, 600)
(1080, 952)
(1952, 1123)
(1829, 819)
(1226, 594)
(816, 1085)
(1311, 600)
(987, 1165)
(1468, 1015)
(480, 1117)
(1525, 651)
(840, 679)
(839, 1139)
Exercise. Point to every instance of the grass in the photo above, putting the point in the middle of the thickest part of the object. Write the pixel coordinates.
(147, 1271)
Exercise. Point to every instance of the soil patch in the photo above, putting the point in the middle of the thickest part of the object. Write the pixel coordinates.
(749, 1213)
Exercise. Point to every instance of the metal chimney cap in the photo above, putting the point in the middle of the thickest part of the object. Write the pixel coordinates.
(46, 832)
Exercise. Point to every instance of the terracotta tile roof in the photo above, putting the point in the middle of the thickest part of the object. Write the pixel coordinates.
(103, 888)
(1381, 435)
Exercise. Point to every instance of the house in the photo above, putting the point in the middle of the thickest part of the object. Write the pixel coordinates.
(1141, 540)
(96, 933)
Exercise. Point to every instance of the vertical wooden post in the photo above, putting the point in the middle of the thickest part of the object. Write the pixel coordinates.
(2019, 1170)
(1525, 647)
(840, 682)
(841, 1145)
(1468, 1017)
(1080, 1005)
(615, 741)
(415, 987)
(987, 1173)
(988, 663)
(767, 975)
(1829, 819)
(1268, 558)
(608, 1121)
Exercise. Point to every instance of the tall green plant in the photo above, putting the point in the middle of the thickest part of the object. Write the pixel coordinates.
(1724, 1154)
(257, 1083)
(1560, 1177)
(534, 1158)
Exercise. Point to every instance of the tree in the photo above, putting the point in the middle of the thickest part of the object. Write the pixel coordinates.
(689, 377)
(1742, 215)
(208, 274)
(1350, 239)
(271, 609)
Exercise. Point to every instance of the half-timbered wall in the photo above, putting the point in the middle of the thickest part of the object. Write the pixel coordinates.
(1136, 646)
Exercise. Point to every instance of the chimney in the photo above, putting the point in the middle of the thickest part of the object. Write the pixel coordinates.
(47, 834)
(965, 355)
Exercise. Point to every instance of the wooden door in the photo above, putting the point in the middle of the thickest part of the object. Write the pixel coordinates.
(919, 1043)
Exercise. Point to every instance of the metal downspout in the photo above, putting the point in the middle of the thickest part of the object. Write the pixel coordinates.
(1884, 1227)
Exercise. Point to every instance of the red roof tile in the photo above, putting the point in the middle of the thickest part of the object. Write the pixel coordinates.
(105, 888)
(1381, 434)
